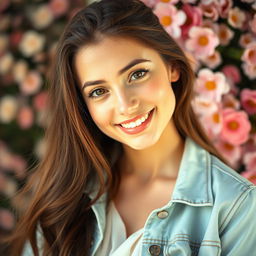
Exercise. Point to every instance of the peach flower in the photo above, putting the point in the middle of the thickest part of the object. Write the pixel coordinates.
(213, 60)
(225, 34)
(236, 126)
(211, 85)
(248, 100)
(249, 55)
(6, 62)
(249, 70)
(194, 18)
(8, 108)
(170, 18)
(236, 17)
(32, 83)
(230, 152)
(31, 43)
(42, 17)
(40, 148)
(202, 41)
(246, 39)
(59, 7)
(25, 117)
(7, 220)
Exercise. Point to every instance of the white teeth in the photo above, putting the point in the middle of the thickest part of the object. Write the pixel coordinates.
(138, 122)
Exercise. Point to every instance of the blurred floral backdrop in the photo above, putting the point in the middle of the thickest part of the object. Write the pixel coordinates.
(219, 37)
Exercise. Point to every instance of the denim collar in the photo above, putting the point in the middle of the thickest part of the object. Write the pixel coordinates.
(193, 185)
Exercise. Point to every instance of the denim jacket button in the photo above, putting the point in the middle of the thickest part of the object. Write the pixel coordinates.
(154, 250)
(162, 214)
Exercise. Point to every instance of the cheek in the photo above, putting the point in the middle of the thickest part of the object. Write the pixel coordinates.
(100, 115)
(158, 89)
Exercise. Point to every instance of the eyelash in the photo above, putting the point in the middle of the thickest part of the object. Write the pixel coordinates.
(137, 71)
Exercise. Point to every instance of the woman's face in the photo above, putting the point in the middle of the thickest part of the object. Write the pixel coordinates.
(126, 86)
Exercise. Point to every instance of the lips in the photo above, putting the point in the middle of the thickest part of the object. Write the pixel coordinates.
(137, 124)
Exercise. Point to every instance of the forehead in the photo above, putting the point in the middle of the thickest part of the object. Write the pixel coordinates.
(111, 52)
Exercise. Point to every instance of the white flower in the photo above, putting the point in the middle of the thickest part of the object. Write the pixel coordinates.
(8, 109)
(31, 43)
(20, 70)
(6, 62)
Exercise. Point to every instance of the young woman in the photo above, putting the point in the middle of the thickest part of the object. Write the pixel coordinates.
(128, 169)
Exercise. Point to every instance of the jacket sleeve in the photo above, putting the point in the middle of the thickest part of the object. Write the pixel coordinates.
(238, 236)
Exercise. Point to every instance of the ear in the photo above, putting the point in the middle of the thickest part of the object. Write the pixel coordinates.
(174, 74)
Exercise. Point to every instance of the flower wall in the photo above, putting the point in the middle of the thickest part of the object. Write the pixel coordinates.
(29, 31)
(218, 36)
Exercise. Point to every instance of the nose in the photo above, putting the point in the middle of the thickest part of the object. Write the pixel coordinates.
(127, 103)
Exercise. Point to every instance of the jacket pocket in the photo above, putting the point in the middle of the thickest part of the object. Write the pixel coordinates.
(182, 246)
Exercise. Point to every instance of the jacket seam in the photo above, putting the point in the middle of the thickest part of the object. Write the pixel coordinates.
(231, 212)
(233, 176)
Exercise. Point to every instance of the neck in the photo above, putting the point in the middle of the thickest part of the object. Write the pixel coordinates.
(160, 161)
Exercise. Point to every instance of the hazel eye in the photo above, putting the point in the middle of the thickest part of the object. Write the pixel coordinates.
(138, 74)
(97, 93)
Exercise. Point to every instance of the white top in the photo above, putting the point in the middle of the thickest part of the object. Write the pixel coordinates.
(115, 242)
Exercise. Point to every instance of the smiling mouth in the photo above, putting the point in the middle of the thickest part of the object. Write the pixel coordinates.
(137, 125)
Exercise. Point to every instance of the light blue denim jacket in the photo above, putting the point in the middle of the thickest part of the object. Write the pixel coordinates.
(211, 212)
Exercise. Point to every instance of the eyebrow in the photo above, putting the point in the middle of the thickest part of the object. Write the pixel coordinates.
(121, 71)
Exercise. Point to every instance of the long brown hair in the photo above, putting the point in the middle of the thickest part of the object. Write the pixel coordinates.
(75, 157)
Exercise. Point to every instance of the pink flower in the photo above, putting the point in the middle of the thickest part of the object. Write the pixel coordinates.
(212, 123)
(32, 83)
(42, 16)
(59, 7)
(40, 101)
(6, 219)
(212, 61)
(249, 55)
(251, 176)
(232, 73)
(15, 38)
(230, 152)
(248, 100)
(210, 10)
(236, 17)
(211, 85)
(25, 117)
(202, 41)
(224, 7)
(249, 160)
(246, 39)
(236, 126)
(225, 34)
(194, 18)
(203, 106)
(170, 18)
(253, 24)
